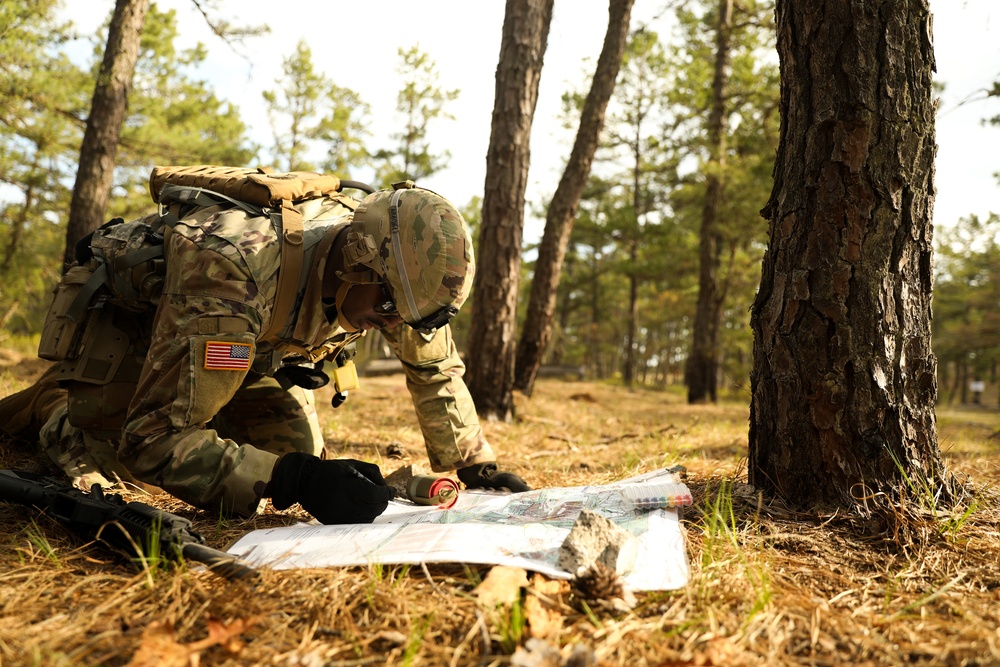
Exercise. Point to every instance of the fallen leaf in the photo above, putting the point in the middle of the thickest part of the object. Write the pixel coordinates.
(159, 648)
(502, 585)
(549, 587)
(541, 608)
(221, 634)
(543, 621)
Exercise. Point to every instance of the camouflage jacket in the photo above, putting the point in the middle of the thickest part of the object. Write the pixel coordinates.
(218, 296)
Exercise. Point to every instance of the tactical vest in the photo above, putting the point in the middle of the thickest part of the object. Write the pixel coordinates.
(123, 265)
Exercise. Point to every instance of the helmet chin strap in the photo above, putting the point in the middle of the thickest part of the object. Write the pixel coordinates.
(348, 280)
(340, 298)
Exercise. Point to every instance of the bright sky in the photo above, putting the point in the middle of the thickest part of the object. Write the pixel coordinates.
(359, 50)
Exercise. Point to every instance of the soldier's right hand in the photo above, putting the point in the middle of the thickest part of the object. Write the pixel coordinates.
(337, 491)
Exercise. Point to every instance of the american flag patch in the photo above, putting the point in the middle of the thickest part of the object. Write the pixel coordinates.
(220, 356)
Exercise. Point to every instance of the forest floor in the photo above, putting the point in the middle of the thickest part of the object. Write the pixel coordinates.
(768, 586)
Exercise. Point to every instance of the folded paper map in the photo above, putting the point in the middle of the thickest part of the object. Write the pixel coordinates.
(522, 529)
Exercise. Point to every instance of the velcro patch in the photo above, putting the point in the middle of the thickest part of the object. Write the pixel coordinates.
(223, 356)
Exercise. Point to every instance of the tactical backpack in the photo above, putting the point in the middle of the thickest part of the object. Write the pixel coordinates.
(124, 263)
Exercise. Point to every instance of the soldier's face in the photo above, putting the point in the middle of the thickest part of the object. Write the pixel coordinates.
(362, 307)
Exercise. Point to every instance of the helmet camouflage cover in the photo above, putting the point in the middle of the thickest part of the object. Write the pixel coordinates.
(417, 242)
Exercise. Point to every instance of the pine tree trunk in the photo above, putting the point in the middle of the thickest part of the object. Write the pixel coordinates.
(593, 337)
(844, 380)
(20, 223)
(558, 342)
(94, 176)
(492, 336)
(632, 326)
(559, 221)
(701, 370)
(963, 384)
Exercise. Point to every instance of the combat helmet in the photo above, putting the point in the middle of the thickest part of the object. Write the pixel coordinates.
(417, 242)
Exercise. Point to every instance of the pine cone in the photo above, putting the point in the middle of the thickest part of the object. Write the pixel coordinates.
(598, 585)
(395, 450)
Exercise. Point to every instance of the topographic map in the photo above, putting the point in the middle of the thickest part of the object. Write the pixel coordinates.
(523, 530)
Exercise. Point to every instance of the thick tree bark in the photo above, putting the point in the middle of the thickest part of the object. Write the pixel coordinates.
(844, 378)
(492, 335)
(559, 221)
(701, 371)
(94, 176)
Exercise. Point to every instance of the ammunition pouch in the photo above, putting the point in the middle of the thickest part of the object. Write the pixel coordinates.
(68, 313)
(104, 375)
(102, 351)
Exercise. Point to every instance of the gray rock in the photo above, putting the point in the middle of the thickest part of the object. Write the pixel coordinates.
(595, 539)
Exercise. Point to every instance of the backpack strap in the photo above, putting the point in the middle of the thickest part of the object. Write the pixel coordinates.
(292, 235)
(288, 272)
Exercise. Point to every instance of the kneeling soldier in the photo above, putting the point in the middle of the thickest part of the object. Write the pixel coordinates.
(189, 342)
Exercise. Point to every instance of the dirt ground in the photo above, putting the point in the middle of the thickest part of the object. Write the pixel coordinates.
(768, 586)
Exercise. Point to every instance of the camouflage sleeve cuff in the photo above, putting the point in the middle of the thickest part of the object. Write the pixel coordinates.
(243, 488)
(209, 472)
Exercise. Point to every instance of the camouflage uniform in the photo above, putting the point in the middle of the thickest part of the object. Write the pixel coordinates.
(210, 431)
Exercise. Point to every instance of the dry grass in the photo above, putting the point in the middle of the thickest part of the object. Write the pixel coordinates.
(768, 586)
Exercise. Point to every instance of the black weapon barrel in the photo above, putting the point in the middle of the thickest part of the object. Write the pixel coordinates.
(176, 536)
(132, 527)
(219, 562)
(17, 488)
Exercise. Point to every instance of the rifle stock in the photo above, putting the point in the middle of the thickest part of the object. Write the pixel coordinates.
(130, 526)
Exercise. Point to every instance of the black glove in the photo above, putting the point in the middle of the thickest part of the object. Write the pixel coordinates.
(338, 491)
(302, 376)
(486, 476)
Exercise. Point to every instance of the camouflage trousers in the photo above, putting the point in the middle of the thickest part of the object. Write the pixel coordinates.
(262, 414)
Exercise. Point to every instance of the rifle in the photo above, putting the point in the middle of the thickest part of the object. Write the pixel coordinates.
(129, 526)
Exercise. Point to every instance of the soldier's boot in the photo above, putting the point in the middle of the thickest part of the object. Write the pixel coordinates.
(486, 476)
(23, 414)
